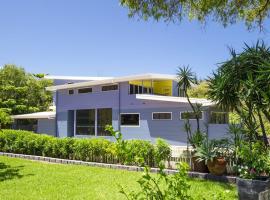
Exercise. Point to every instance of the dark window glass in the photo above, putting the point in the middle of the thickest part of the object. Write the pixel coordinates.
(109, 87)
(160, 116)
(145, 90)
(219, 118)
(85, 90)
(140, 89)
(130, 119)
(70, 91)
(190, 115)
(136, 89)
(131, 89)
(104, 117)
(85, 122)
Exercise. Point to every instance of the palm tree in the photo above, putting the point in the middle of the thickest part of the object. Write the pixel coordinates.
(186, 78)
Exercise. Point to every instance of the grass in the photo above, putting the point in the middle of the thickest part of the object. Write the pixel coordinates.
(26, 179)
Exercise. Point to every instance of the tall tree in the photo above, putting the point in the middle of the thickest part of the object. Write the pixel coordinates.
(253, 13)
(186, 78)
(22, 92)
(241, 84)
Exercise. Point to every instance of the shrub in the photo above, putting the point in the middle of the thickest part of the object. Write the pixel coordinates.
(134, 152)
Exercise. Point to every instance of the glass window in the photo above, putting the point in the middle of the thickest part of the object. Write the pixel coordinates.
(104, 117)
(130, 119)
(219, 118)
(189, 115)
(109, 87)
(70, 91)
(85, 90)
(85, 122)
(162, 116)
(181, 92)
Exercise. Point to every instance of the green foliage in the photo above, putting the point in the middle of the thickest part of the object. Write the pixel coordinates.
(225, 12)
(21, 92)
(176, 186)
(199, 91)
(135, 152)
(4, 117)
(197, 138)
(255, 160)
(248, 95)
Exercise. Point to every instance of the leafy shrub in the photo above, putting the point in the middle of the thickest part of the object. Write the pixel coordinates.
(162, 187)
(133, 152)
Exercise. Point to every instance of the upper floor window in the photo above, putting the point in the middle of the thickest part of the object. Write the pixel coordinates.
(138, 89)
(84, 90)
(70, 91)
(219, 117)
(161, 115)
(109, 87)
(181, 92)
(189, 115)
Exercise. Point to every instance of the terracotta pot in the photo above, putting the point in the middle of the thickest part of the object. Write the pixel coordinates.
(199, 166)
(217, 166)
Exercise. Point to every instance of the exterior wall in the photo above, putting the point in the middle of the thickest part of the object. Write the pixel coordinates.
(121, 102)
(217, 131)
(46, 126)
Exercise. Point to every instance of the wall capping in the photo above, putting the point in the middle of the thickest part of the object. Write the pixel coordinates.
(206, 176)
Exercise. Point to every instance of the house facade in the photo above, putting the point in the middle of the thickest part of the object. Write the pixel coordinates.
(147, 106)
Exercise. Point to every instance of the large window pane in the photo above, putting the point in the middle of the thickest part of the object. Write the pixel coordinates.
(85, 122)
(162, 115)
(104, 117)
(189, 115)
(130, 119)
(219, 118)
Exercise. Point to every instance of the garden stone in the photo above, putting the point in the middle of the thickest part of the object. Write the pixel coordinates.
(249, 189)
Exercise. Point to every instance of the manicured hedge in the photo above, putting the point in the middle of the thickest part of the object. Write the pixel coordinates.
(137, 152)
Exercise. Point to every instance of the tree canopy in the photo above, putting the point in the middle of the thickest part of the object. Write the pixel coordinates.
(22, 92)
(253, 13)
(199, 91)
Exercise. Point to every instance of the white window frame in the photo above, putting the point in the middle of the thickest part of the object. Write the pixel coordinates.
(161, 119)
(192, 112)
(131, 126)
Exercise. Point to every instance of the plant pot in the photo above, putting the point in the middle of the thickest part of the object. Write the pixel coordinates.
(199, 166)
(217, 166)
(249, 189)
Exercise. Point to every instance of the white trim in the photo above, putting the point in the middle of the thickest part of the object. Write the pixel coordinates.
(154, 97)
(114, 80)
(37, 115)
(131, 126)
(161, 119)
(79, 78)
(191, 112)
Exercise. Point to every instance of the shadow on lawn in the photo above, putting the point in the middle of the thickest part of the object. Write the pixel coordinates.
(8, 172)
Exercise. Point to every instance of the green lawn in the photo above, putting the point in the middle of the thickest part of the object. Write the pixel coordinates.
(26, 179)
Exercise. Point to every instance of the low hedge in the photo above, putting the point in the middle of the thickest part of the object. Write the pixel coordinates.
(138, 152)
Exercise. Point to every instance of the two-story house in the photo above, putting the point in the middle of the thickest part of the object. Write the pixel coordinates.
(147, 106)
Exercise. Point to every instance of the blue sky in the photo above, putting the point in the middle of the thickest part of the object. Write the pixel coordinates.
(96, 38)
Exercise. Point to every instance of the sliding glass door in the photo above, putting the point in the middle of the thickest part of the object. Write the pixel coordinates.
(85, 122)
(104, 117)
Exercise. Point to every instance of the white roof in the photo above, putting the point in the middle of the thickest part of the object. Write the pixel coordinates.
(37, 115)
(114, 80)
(80, 78)
(152, 97)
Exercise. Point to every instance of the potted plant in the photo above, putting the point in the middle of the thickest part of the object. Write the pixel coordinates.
(196, 140)
(253, 171)
(212, 155)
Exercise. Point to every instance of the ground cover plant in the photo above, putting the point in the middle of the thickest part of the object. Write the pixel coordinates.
(24, 179)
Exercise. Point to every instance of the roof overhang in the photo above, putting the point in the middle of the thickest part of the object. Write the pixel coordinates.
(37, 115)
(114, 81)
(77, 78)
(151, 97)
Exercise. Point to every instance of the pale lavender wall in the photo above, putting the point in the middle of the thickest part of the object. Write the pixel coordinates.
(121, 102)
